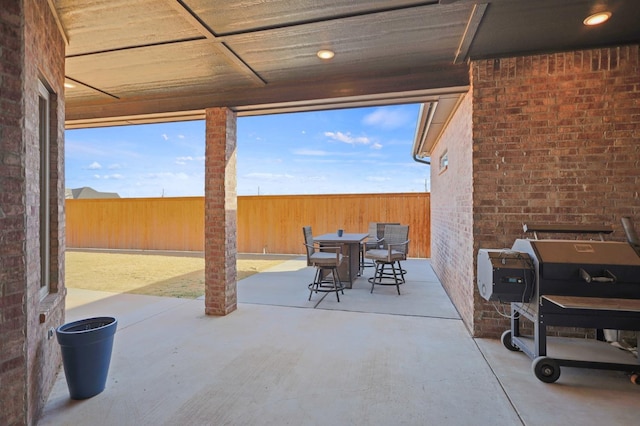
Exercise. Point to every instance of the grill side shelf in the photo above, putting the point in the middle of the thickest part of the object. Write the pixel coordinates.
(573, 311)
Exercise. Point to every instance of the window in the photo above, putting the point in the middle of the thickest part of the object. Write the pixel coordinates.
(44, 108)
(444, 161)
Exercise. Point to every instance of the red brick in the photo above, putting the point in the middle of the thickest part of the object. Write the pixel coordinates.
(31, 48)
(554, 139)
(220, 216)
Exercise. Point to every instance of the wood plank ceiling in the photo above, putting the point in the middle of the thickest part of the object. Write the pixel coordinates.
(149, 60)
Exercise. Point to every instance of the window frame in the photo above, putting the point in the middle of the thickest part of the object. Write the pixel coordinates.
(444, 161)
(44, 144)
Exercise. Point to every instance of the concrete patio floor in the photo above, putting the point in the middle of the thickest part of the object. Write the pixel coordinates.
(372, 359)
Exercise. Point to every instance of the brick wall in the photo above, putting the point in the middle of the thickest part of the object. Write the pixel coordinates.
(451, 211)
(44, 60)
(31, 49)
(221, 205)
(556, 140)
(12, 211)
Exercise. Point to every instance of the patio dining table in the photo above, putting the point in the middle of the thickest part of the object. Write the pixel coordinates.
(349, 270)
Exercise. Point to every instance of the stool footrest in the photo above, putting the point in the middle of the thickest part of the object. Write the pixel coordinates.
(325, 288)
(325, 284)
(394, 277)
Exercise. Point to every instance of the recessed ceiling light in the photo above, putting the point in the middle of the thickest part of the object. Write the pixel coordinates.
(325, 54)
(69, 85)
(597, 18)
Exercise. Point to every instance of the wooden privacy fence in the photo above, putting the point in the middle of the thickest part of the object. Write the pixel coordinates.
(265, 223)
(273, 224)
(136, 223)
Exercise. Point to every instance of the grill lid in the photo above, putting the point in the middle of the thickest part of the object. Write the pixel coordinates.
(563, 259)
(586, 252)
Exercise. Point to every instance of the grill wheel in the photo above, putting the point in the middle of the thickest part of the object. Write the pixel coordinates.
(546, 369)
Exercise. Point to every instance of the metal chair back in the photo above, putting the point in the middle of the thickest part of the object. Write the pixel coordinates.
(397, 234)
(308, 242)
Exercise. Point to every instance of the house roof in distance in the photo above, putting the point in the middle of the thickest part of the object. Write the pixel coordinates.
(88, 193)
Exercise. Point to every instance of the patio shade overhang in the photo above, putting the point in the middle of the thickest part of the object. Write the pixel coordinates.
(151, 60)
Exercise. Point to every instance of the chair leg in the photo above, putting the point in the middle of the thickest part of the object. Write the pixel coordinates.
(337, 275)
(395, 277)
(364, 262)
(382, 277)
(376, 275)
(334, 274)
(315, 283)
(322, 283)
(402, 270)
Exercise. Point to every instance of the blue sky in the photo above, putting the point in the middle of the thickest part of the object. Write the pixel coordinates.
(360, 150)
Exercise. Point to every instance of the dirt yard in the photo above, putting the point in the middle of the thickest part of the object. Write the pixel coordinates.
(151, 274)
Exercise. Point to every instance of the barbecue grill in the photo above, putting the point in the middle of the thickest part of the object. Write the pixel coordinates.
(578, 283)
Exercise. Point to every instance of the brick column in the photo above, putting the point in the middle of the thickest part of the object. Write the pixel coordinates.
(555, 140)
(13, 287)
(220, 218)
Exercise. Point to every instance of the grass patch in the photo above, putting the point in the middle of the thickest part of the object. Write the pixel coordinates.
(150, 274)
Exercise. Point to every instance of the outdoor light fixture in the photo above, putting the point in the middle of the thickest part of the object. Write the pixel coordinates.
(69, 85)
(597, 18)
(325, 54)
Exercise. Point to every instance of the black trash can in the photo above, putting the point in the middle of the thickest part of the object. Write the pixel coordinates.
(86, 353)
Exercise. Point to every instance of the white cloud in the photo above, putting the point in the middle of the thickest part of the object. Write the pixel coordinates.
(112, 176)
(165, 137)
(347, 138)
(180, 136)
(94, 166)
(182, 161)
(114, 166)
(376, 145)
(311, 152)
(388, 118)
(168, 175)
(269, 176)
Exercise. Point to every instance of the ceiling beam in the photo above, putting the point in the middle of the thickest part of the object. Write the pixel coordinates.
(444, 76)
(470, 32)
(56, 17)
(396, 98)
(221, 47)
